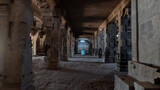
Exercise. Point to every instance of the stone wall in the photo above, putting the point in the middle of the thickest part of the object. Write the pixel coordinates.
(144, 67)
(149, 33)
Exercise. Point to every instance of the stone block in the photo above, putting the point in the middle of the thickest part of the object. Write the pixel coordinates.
(124, 82)
(145, 86)
(143, 72)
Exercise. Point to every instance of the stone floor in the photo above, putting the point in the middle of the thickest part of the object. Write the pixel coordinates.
(74, 76)
(85, 58)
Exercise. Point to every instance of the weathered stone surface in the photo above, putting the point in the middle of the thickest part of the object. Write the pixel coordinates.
(17, 57)
(143, 73)
(149, 18)
(111, 42)
(53, 50)
(145, 86)
(70, 43)
(64, 45)
(2, 2)
(3, 38)
(74, 76)
(124, 82)
(34, 37)
(124, 52)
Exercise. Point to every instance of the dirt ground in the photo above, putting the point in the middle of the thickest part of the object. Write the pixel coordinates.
(74, 76)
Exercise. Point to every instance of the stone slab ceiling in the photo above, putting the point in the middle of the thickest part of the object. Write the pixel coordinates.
(86, 16)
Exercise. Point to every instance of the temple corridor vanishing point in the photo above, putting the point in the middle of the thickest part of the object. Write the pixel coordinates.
(79, 45)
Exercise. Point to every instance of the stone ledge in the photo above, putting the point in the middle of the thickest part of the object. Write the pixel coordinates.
(144, 72)
(145, 86)
(124, 82)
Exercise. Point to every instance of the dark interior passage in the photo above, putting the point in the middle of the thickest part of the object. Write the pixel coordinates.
(79, 45)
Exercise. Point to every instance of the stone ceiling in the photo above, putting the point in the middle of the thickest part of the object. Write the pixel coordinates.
(86, 16)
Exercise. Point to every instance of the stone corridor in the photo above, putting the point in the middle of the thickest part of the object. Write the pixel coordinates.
(74, 76)
(79, 44)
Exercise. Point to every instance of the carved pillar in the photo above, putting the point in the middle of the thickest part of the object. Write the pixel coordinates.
(17, 57)
(52, 41)
(52, 24)
(124, 45)
(111, 48)
(64, 43)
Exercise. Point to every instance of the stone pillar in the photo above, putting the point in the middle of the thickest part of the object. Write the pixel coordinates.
(72, 45)
(41, 43)
(52, 37)
(124, 40)
(34, 36)
(64, 44)
(4, 14)
(17, 57)
(69, 43)
(111, 48)
(52, 41)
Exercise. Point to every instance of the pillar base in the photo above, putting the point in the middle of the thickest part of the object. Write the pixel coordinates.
(30, 88)
(53, 67)
(14, 86)
(64, 58)
(11, 86)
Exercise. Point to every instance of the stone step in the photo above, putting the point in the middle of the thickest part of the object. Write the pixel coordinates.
(144, 72)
